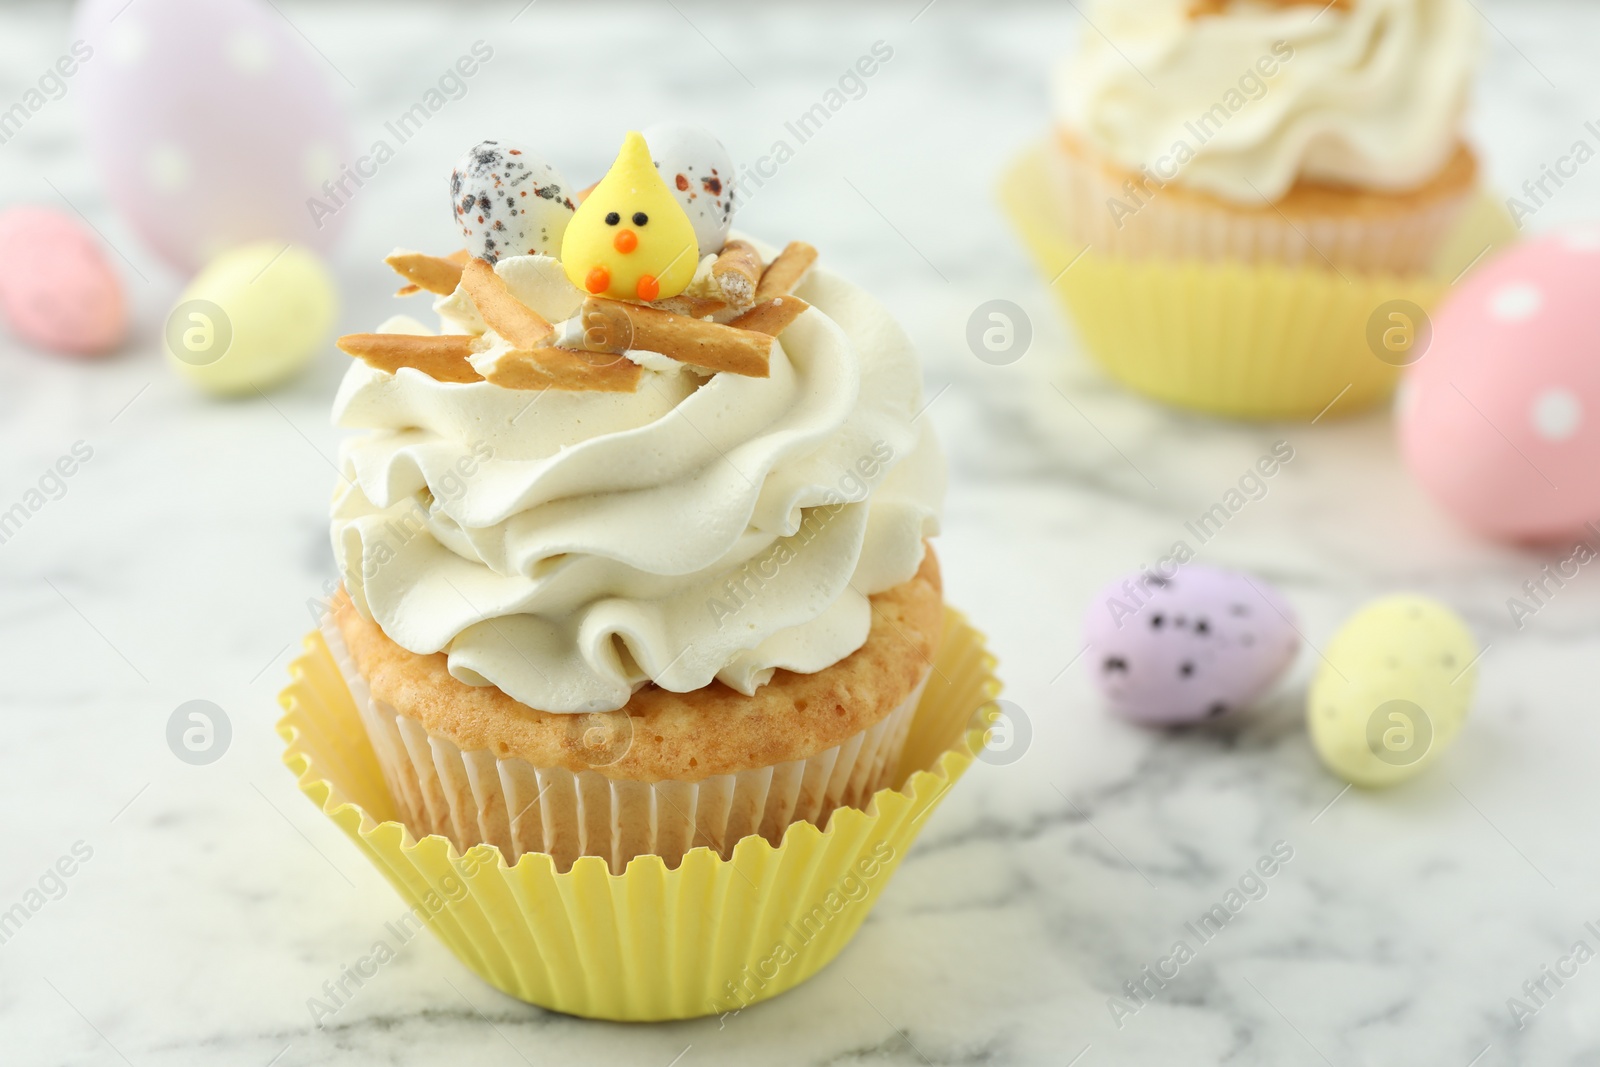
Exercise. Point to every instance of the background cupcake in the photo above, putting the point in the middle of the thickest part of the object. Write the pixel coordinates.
(1296, 133)
(1308, 156)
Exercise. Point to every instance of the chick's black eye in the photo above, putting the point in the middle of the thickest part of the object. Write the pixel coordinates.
(640, 218)
(613, 218)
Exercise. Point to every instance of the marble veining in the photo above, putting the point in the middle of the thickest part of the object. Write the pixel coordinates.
(215, 902)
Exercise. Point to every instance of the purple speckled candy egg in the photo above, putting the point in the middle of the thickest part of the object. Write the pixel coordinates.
(213, 125)
(509, 202)
(1190, 647)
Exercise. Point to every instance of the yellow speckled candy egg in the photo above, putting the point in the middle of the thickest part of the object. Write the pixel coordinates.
(251, 319)
(1393, 690)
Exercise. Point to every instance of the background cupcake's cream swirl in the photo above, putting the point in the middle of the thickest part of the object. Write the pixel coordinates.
(569, 547)
(1371, 97)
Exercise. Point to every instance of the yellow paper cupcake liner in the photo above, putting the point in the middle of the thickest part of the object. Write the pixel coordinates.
(707, 937)
(1248, 341)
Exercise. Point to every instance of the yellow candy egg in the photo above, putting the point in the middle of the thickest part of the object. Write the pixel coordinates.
(252, 318)
(630, 238)
(1392, 691)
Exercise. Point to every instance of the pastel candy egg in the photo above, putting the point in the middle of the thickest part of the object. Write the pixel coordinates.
(1500, 419)
(699, 171)
(509, 202)
(1189, 647)
(212, 125)
(251, 319)
(57, 290)
(1393, 690)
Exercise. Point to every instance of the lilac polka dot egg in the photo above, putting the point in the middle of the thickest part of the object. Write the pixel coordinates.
(213, 125)
(509, 202)
(1192, 646)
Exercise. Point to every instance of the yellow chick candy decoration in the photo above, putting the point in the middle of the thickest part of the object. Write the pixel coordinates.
(630, 239)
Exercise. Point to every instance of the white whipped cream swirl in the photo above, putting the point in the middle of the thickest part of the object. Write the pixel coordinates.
(570, 547)
(1369, 96)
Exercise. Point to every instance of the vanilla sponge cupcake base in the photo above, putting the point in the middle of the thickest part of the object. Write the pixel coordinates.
(1313, 225)
(472, 797)
(619, 785)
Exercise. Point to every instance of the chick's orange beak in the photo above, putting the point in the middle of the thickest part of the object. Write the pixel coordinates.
(625, 241)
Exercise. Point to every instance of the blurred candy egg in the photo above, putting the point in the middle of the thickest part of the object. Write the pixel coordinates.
(251, 319)
(1393, 690)
(57, 290)
(213, 125)
(1500, 420)
(509, 202)
(1190, 647)
(699, 171)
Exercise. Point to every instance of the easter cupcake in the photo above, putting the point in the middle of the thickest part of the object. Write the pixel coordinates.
(639, 682)
(1246, 183)
(634, 542)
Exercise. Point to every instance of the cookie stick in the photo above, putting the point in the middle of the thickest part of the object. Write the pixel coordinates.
(786, 271)
(771, 317)
(737, 272)
(442, 358)
(525, 328)
(566, 369)
(693, 341)
(436, 274)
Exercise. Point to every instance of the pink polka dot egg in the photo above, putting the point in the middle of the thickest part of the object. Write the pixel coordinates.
(1500, 418)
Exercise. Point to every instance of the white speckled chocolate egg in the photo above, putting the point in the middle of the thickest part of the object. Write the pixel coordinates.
(699, 171)
(509, 202)
(1192, 646)
(1393, 690)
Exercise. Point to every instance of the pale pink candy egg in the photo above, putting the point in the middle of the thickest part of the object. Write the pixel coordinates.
(213, 124)
(57, 290)
(1500, 419)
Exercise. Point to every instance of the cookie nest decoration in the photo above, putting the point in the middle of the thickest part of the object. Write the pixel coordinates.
(642, 280)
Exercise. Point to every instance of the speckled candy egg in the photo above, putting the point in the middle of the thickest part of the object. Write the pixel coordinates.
(213, 124)
(57, 290)
(699, 171)
(1194, 646)
(1393, 690)
(1500, 420)
(509, 202)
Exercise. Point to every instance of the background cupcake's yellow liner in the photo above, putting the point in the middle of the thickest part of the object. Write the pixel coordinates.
(1233, 339)
(707, 937)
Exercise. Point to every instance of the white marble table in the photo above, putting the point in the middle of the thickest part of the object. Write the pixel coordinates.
(215, 901)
